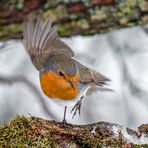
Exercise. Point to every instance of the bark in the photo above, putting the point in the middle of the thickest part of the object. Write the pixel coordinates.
(36, 132)
(73, 17)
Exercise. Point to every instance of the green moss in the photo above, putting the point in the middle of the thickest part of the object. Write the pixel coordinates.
(16, 4)
(64, 30)
(13, 28)
(55, 14)
(22, 131)
(36, 132)
(83, 24)
(126, 8)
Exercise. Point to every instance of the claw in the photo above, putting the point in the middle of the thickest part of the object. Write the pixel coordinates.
(77, 107)
(64, 123)
(74, 107)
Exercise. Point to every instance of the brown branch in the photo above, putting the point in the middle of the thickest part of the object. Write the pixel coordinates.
(33, 132)
(20, 79)
(74, 17)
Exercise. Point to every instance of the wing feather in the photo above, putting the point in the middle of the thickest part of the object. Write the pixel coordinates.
(91, 77)
(88, 75)
(41, 41)
(37, 33)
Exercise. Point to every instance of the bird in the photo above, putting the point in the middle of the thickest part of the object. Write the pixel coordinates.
(61, 76)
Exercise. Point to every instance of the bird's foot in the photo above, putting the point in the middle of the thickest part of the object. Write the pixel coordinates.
(77, 107)
(64, 123)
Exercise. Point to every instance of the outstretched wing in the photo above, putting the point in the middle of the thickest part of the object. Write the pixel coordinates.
(40, 41)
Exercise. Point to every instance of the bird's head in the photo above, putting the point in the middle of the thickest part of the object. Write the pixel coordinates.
(64, 67)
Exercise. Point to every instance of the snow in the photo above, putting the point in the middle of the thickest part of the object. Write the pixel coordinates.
(122, 56)
(127, 137)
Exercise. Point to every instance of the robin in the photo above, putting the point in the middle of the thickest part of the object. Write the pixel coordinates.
(61, 76)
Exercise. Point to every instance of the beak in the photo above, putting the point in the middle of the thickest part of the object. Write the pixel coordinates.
(72, 84)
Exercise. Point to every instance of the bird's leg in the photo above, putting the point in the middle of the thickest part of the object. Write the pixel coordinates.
(77, 106)
(64, 123)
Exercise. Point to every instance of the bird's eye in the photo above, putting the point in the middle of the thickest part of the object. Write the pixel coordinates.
(61, 73)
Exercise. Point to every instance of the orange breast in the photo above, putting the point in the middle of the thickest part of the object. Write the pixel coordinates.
(54, 86)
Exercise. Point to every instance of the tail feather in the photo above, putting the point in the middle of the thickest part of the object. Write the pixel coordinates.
(97, 88)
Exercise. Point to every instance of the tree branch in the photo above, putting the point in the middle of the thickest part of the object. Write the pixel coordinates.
(37, 132)
(74, 18)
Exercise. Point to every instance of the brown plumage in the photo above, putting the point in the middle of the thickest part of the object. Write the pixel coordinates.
(61, 76)
(41, 41)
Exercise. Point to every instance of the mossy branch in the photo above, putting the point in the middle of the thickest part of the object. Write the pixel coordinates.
(74, 18)
(36, 132)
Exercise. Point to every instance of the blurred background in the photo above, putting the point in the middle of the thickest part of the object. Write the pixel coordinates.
(109, 36)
